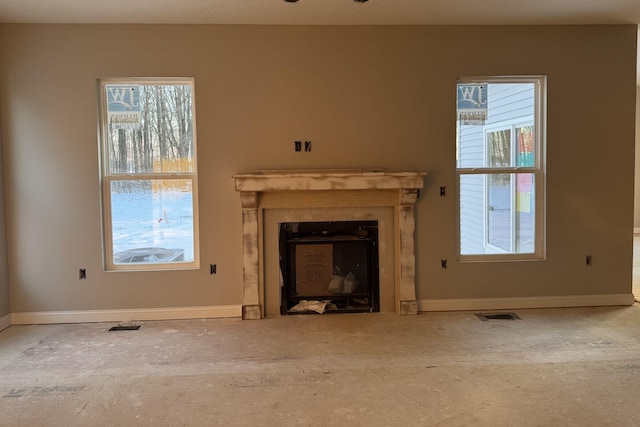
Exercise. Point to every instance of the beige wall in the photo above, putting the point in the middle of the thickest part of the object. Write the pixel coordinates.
(365, 96)
(4, 279)
(636, 205)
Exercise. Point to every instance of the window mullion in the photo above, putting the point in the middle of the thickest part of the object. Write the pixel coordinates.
(489, 170)
(149, 176)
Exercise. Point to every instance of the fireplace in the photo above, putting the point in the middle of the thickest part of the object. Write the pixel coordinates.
(330, 266)
(271, 198)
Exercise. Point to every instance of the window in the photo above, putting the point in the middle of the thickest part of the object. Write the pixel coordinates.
(149, 177)
(500, 167)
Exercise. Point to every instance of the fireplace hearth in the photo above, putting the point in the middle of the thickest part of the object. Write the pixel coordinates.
(334, 263)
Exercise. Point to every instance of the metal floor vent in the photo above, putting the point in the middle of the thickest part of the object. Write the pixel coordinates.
(497, 316)
(124, 328)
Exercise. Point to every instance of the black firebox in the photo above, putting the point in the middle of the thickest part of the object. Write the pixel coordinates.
(330, 264)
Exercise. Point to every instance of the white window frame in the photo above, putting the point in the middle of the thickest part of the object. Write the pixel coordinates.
(107, 177)
(538, 170)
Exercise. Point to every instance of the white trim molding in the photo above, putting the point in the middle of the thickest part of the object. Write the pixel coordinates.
(524, 302)
(5, 322)
(126, 315)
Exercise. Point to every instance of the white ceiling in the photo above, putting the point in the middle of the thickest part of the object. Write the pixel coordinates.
(323, 12)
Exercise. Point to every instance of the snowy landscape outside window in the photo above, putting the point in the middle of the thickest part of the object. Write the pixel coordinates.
(149, 177)
(500, 168)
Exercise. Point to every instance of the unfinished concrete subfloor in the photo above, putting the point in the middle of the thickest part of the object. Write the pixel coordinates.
(554, 367)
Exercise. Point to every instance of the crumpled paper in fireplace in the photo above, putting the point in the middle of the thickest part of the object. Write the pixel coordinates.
(305, 305)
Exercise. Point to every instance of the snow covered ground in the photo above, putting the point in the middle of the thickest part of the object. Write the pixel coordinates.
(143, 219)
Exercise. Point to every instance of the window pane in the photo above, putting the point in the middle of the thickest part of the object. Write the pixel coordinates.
(150, 128)
(506, 105)
(497, 213)
(152, 221)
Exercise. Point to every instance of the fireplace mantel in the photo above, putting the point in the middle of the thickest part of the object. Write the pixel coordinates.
(327, 188)
(327, 179)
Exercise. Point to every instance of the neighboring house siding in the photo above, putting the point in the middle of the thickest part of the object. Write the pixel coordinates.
(472, 217)
(509, 104)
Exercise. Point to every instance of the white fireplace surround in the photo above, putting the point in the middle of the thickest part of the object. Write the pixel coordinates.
(360, 191)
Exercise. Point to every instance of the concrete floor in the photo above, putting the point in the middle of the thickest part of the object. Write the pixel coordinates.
(555, 367)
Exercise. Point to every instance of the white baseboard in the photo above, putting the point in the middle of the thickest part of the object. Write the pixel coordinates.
(89, 316)
(526, 302)
(5, 322)
(222, 311)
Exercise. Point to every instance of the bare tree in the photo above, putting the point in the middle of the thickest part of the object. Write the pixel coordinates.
(163, 140)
